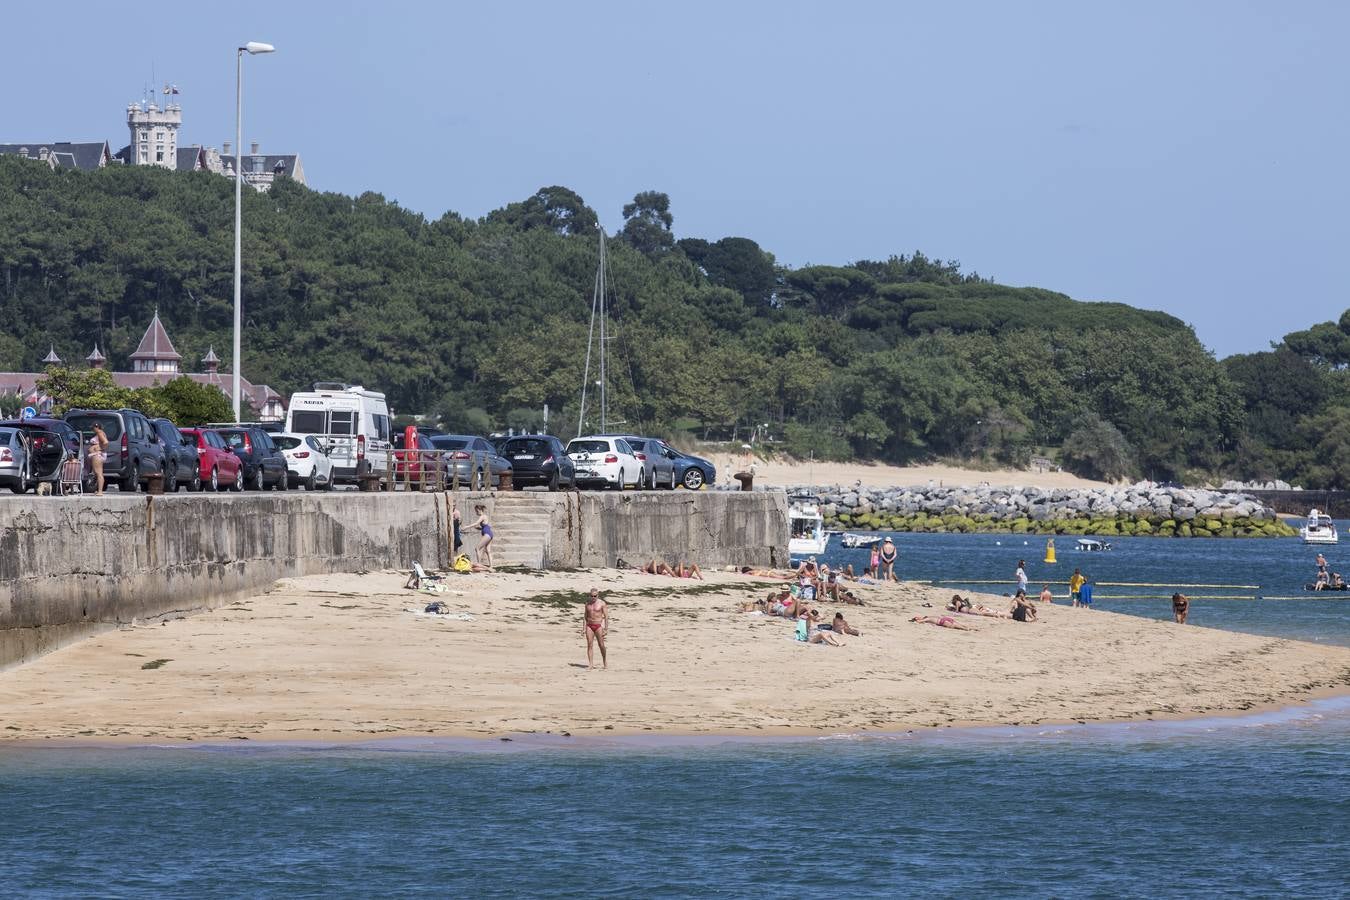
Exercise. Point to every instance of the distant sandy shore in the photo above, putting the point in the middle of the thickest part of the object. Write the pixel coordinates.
(776, 473)
(342, 657)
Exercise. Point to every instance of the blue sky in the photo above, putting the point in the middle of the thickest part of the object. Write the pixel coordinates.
(1188, 157)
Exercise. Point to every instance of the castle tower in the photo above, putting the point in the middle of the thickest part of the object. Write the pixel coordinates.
(154, 133)
(96, 360)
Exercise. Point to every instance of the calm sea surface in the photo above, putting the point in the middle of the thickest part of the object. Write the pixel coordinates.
(1255, 806)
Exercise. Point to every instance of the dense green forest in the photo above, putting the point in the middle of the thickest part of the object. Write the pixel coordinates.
(484, 322)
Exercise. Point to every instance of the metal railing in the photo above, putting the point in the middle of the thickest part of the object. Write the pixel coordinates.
(437, 470)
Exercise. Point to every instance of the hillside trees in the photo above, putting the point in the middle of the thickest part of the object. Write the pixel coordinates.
(486, 320)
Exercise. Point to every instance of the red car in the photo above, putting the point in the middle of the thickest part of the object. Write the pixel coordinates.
(219, 466)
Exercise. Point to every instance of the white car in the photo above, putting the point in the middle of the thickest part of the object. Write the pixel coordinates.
(606, 461)
(307, 464)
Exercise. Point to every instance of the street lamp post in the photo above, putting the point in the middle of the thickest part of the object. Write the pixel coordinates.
(251, 48)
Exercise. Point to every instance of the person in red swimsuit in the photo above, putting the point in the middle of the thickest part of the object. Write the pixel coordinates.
(595, 624)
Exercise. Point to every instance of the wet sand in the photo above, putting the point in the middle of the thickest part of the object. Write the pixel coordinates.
(342, 657)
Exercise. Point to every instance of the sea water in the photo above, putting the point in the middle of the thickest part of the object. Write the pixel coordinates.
(1254, 805)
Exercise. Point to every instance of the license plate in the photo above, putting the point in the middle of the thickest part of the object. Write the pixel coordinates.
(585, 472)
(524, 456)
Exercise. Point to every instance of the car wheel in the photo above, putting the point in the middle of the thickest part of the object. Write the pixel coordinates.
(133, 484)
(258, 484)
(238, 481)
(311, 482)
(622, 485)
(195, 485)
(693, 478)
(215, 479)
(171, 482)
(19, 487)
(554, 482)
(670, 485)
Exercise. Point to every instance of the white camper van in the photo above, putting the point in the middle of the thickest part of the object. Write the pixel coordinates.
(351, 422)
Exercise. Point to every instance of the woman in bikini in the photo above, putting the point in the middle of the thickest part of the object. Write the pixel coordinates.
(1181, 604)
(484, 549)
(98, 452)
(943, 622)
(690, 571)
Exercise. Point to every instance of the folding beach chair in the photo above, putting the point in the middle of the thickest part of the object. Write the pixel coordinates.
(72, 475)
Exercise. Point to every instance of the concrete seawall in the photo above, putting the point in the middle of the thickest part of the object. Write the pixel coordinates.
(71, 567)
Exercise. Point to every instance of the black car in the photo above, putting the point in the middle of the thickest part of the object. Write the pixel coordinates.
(46, 445)
(135, 451)
(262, 464)
(181, 466)
(538, 459)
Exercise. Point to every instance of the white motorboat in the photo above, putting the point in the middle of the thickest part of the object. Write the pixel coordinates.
(806, 536)
(1092, 545)
(1319, 529)
(859, 540)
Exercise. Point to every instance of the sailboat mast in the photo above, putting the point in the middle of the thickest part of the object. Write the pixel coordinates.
(604, 379)
(590, 342)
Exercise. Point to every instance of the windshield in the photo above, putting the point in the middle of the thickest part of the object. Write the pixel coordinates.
(306, 421)
(112, 424)
(445, 442)
(286, 443)
(588, 447)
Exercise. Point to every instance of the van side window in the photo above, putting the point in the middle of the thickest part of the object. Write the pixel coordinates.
(343, 421)
(381, 427)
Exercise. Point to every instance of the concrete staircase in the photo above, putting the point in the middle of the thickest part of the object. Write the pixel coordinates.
(520, 524)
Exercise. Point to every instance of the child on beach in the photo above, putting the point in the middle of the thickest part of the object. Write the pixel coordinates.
(1075, 587)
(874, 567)
(1181, 604)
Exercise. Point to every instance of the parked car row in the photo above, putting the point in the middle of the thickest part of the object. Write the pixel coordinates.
(217, 457)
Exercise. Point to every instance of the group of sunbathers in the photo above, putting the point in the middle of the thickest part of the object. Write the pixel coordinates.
(822, 581)
(811, 631)
(1021, 610)
(679, 570)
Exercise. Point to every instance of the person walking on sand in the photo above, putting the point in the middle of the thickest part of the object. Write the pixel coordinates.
(1076, 582)
(595, 624)
(484, 549)
(1181, 604)
(1021, 575)
(888, 555)
(98, 452)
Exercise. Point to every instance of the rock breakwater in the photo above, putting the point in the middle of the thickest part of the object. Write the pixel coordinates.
(1139, 509)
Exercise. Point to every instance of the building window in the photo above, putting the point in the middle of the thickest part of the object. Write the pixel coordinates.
(159, 156)
(159, 135)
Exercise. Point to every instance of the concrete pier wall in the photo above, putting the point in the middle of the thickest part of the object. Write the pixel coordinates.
(71, 567)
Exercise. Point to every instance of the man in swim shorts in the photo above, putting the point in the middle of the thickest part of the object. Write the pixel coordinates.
(595, 624)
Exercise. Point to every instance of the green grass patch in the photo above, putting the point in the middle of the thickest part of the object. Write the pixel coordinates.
(155, 663)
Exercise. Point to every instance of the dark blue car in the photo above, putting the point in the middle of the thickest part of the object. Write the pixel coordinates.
(691, 471)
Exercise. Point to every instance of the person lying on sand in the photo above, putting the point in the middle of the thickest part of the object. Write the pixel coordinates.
(690, 571)
(840, 626)
(657, 567)
(761, 573)
(943, 622)
(808, 630)
(962, 605)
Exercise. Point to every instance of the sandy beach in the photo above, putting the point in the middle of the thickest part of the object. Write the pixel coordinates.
(343, 657)
(782, 473)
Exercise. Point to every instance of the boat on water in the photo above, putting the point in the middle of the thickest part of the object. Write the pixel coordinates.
(806, 536)
(1092, 545)
(859, 540)
(1319, 529)
(1313, 586)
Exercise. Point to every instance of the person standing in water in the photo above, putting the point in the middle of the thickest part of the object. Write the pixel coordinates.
(1076, 582)
(1046, 596)
(484, 549)
(595, 624)
(1181, 604)
(888, 555)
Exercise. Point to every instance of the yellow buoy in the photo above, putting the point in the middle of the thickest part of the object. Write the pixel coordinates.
(1050, 550)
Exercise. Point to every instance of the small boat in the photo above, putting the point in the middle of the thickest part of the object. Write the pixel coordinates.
(1092, 545)
(1326, 587)
(806, 536)
(860, 540)
(1319, 529)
